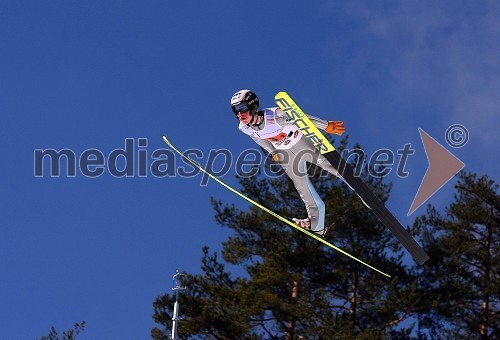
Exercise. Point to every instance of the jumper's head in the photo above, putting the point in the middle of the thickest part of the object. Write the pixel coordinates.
(245, 101)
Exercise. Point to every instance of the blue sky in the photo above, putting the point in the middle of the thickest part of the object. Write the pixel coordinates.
(83, 75)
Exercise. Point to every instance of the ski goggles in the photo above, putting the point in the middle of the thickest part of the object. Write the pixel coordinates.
(241, 107)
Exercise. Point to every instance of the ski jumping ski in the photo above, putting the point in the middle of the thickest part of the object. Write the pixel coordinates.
(300, 119)
(279, 217)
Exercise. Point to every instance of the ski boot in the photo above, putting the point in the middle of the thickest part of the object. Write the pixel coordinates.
(306, 224)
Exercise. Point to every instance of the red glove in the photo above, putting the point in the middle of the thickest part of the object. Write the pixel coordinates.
(335, 127)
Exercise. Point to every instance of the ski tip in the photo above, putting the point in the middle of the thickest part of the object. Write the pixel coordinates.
(165, 139)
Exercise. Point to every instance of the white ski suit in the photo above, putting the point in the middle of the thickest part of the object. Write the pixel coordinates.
(277, 134)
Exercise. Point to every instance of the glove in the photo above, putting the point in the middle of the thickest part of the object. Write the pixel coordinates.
(335, 127)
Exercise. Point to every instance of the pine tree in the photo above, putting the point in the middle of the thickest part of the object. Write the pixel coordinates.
(69, 334)
(292, 286)
(460, 284)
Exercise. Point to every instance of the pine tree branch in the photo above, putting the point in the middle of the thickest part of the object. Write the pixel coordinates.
(268, 331)
(342, 307)
(478, 266)
(395, 322)
(279, 321)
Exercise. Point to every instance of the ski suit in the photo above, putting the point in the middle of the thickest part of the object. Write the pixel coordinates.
(277, 134)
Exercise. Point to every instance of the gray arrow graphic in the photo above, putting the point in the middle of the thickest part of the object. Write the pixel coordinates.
(443, 165)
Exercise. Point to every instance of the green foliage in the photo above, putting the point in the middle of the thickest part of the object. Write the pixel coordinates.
(460, 284)
(69, 334)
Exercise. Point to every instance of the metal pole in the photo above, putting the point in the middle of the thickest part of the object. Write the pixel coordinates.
(179, 283)
(175, 319)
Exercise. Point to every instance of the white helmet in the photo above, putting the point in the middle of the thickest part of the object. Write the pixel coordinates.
(243, 101)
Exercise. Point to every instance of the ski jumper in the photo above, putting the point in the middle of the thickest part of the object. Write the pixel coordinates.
(279, 136)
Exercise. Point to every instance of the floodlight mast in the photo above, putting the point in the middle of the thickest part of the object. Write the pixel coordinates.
(179, 280)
